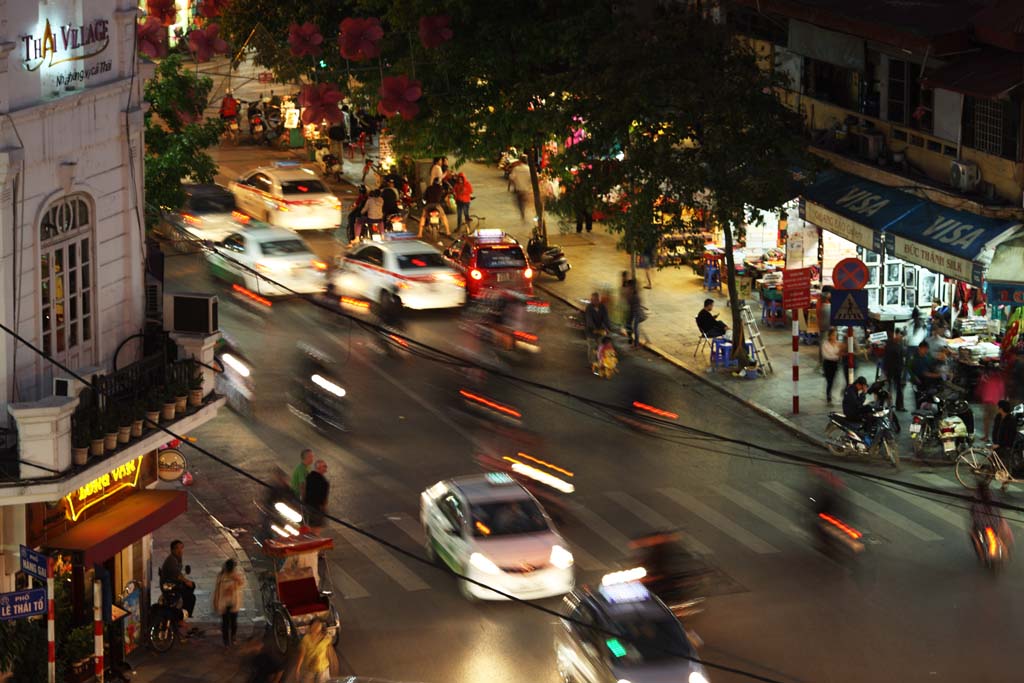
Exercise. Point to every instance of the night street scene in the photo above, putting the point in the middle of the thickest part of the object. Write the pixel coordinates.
(588, 341)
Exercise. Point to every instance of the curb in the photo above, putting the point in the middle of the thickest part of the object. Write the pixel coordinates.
(665, 355)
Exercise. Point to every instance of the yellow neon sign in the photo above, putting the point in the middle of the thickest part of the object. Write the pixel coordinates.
(101, 488)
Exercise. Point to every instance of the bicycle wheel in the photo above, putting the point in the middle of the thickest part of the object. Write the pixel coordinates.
(835, 439)
(973, 468)
(889, 451)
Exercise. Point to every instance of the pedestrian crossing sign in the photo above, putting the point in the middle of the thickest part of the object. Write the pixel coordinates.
(849, 307)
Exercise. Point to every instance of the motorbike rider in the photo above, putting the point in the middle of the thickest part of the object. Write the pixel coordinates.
(853, 401)
(985, 515)
(434, 198)
(317, 400)
(673, 571)
(173, 571)
(228, 107)
(391, 197)
(596, 324)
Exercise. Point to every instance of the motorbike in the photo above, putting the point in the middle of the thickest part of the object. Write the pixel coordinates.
(231, 128)
(316, 397)
(166, 614)
(257, 128)
(234, 379)
(990, 547)
(678, 575)
(432, 222)
(945, 418)
(329, 163)
(875, 437)
(550, 259)
(509, 322)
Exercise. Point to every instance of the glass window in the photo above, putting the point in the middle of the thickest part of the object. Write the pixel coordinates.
(300, 187)
(503, 518)
(65, 281)
(214, 200)
(500, 257)
(372, 255)
(417, 261)
(235, 243)
(283, 247)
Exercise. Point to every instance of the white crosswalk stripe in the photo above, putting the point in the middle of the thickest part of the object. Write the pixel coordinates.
(937, 480)
(952, 516)
(385, 561)
(787, 494)
(763, 512)
(719, 521)
(892, 517)
(655, 518)
(347, 587)
(617, 539)
(409, 527)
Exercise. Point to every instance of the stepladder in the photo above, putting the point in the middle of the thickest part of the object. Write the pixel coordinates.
(760, 358)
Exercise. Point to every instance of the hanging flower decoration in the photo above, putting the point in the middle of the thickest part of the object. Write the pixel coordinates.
(204, 43)
(320, 102)
(212, 8)
(398, 95)
(151, 37)
(435, 30)
(359, 39)
(164, 10)
(305, 40)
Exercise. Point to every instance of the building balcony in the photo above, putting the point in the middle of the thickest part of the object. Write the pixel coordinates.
(42, 458)
(901, 156)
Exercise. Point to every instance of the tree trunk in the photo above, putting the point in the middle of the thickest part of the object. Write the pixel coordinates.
(533, 161)
(739, 350)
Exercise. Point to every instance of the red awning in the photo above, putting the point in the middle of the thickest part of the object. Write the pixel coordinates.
(100, 537)
(986, 74)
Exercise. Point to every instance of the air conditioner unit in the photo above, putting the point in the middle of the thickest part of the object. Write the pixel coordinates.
(154, 298)
(190, 313)
(964, 175)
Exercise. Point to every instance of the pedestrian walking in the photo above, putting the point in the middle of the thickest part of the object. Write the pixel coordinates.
(302, 471)
(894, 366)
(634, 314)
(646, 263)
(227, 600)
(824, 312)
(316, 656)
(315, 499)
(463, 191)
(1004, 435)
(991, 390)
(522, 185)
(831, 354)
(584, 216)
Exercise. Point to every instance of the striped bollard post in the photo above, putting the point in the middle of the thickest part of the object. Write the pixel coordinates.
(97, 620)
(796, 362)
(51, 648)
(849, 355)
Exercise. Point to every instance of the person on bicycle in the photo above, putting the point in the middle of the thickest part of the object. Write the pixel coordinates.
(434, 198)
(596, 324)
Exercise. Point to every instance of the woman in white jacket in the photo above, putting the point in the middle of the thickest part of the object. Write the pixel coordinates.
(227, 599)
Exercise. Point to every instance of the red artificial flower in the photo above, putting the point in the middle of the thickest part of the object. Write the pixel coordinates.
(212, 8)
(320, 102)
(435, 30)
(305, 39)
(151, 38)
(359, 39)
(398, 95)
(204, 43)
(164, 10)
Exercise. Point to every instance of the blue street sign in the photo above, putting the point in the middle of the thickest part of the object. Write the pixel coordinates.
(849, 307)
(22, 604)
(33, 563)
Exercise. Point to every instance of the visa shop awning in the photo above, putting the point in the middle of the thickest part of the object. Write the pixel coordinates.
(958, 244)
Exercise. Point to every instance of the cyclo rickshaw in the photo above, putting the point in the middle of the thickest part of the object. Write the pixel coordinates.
(291, 588)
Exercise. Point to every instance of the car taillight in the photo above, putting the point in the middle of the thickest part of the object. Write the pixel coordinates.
(476, 274)
(191, 220)
(240, 217)
(319, 265)
(528, 273)
(333, 202)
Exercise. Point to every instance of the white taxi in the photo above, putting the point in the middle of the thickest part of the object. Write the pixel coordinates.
(422, 276)
(288, 196)
(490, 529)
(279, 254)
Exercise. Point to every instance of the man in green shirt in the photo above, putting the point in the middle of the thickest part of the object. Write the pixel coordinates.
(301, 471)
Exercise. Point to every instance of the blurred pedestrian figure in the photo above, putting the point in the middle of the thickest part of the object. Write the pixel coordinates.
(1004, 434)
(463, 191)
(894, 365)
(265, 662)
(634, 314)
(646, 263)
(824, 312)
(436, 172)
(584, 216)
(831, 355)
(315, 655)
(519, 178)
(991, 390)
(301, 471)
(315, 499)
(227, 600)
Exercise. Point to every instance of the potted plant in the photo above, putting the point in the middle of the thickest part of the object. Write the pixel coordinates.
(80, 442)
(137, 411)
(110, 426)
(180, 392)
(195, 386)
(96, 438)
(153, 403)
(167, 409)
(124, 424)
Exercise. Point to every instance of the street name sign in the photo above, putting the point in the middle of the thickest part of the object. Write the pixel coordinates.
(22, 604)
(33, 563)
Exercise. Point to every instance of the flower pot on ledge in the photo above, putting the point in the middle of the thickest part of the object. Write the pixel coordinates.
(167, 412)
(195, 397)
(136, 429)
(180, 403)
(152, 419)
(96, 447)
(79, 455)
(110, 441)
(124, 434)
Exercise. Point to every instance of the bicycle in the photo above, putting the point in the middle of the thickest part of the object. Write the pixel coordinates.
(474, 223)
(985, 465)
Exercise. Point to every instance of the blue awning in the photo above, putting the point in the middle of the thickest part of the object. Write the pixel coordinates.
(954, 243)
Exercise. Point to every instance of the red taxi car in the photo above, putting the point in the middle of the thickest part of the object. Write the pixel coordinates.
(491, 259)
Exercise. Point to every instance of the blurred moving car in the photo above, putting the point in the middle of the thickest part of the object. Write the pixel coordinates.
(490, 529)
(491, 259)
(208, 214)
(288, 196)
(650, 646)
(372, 270)
(279, 254)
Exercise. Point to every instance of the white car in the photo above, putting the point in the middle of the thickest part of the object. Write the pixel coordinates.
(279, 254)
(208, 214)
(489, 528)
(288, 196)
(419, 271)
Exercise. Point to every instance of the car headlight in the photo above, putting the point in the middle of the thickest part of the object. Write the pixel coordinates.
(484, 564)
(697, 677)
(560, 557)
(622, 680)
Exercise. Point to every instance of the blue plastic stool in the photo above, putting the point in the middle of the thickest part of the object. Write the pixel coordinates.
(771, 313)
(721, 352)
(712, 278)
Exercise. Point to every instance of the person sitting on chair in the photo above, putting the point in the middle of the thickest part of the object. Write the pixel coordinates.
(708, 322)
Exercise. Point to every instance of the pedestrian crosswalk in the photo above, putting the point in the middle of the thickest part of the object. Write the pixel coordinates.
(737, 527)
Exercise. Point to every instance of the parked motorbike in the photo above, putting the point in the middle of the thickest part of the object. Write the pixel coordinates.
(166, 614)
(875, 436)
(945, 418)
(550, 259)
(257, 127)
(328, 162)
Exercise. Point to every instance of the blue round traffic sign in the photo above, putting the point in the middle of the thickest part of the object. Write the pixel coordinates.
(850, 273)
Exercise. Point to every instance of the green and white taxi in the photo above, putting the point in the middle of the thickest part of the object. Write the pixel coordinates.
(490, 529)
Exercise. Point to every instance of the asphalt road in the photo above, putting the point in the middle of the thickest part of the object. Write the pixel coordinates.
(919, 609)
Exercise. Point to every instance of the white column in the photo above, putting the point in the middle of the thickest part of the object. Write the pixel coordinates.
(201, 348)
(44, 435)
